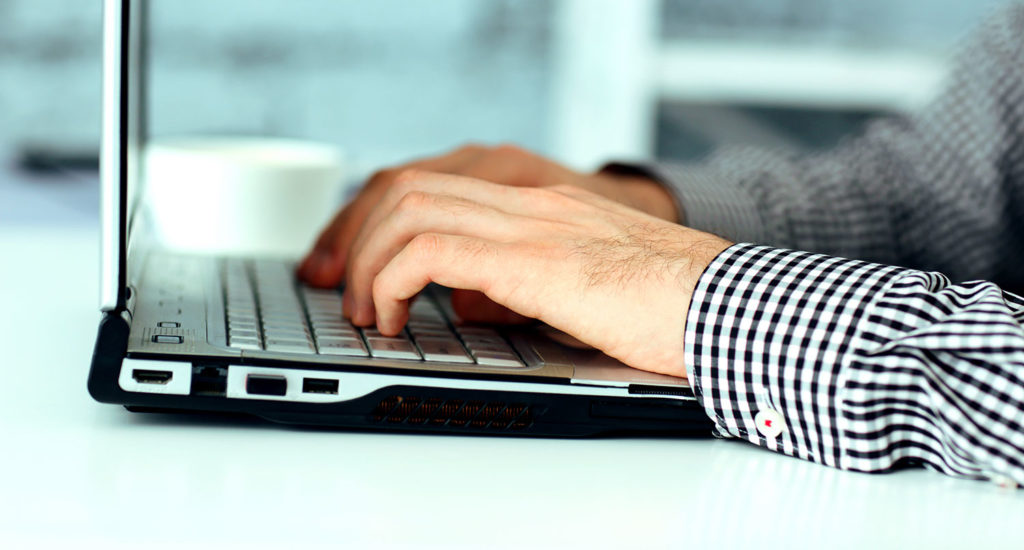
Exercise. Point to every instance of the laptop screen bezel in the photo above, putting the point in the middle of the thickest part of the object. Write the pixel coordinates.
(121, 138)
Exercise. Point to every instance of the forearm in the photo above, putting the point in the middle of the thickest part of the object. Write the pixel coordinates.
(868, 366)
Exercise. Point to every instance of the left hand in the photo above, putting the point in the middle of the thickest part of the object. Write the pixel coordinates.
(325, 265)
(610, 276)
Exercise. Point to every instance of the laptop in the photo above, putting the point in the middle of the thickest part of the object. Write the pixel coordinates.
(209, 334)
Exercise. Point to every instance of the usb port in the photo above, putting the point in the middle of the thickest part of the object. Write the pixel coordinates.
(319, 385)
(266, 384)
(144, 376)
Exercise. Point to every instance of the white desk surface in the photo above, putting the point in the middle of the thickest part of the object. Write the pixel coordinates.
(75, 472)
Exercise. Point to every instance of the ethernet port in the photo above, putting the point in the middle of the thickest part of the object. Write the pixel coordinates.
(209, 380)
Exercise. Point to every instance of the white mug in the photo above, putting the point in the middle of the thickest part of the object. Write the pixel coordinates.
(240, 195)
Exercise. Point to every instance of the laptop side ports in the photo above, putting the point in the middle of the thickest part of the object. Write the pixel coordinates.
(320, 385)
(150, 376)
(209, 380)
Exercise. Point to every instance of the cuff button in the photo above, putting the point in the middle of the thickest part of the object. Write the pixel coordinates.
(769, 423)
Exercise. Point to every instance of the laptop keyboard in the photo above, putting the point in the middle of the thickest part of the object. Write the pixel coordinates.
(266, 310)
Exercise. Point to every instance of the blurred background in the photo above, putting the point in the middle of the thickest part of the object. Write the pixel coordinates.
(583, 81)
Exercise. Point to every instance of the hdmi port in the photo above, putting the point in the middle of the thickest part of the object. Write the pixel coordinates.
(143, 376)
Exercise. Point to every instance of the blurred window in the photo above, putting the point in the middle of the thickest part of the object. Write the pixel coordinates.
(582, 80)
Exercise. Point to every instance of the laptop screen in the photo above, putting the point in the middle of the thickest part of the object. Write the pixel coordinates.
(120, 149)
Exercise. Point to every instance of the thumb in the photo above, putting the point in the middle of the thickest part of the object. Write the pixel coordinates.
(473, 306)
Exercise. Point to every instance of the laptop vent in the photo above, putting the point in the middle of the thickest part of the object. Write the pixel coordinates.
(457, 413)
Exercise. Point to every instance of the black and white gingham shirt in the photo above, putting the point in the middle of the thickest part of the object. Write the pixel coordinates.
(863, 365)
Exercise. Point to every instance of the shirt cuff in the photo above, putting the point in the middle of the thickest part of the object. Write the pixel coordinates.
(766, 332)
(705, 199)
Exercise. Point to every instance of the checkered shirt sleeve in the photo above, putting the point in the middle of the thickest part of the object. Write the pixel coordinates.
(941, 190)
(867, 366)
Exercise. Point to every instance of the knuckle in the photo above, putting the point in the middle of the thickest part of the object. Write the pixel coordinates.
(379, 288)
(382, 177)
(407, 177)
(536, 194)
(510, 150)
(475, 249)
(560, 196)
(565, 189)
(472, 147)
(427, 244)
(413, 201)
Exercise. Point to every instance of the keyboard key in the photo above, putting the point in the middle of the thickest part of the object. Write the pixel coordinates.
(497, 347)
(286, 335)
(245, 343)
(425, 307)
(431, 333)
(428, 325)
(240, 311)
(282, 315)
(336, 332)
(392, 348)
(240, 333)
(497, 359)
(333, 339)
(421, 317)
(342, 346)
(374, 333)
(287, 314)
(320, 294)
(477, 331)
(289, 346)
(324, 305)
(340, 324)
(283, 324)
(443, 349)
(332, 313)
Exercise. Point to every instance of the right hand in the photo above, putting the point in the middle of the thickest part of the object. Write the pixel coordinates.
(325, 265)
(605, 274)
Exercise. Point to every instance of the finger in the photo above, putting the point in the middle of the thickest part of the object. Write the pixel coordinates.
(407, 182)
(325, 263)
(511, 165)
(418, 213)
(474, 307)
(591, 198)
(453, 261)
(523, 202)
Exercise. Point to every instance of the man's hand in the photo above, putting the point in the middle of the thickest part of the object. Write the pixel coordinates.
(610, 276)
(507, 165)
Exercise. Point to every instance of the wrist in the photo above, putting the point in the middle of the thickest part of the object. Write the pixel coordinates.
(655, 198)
